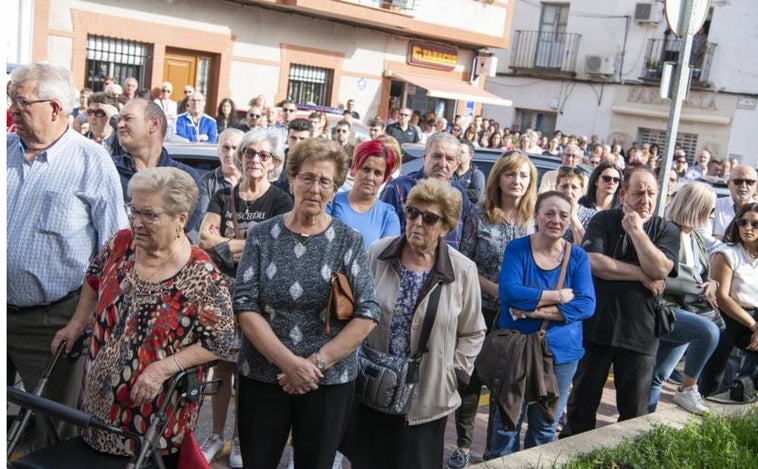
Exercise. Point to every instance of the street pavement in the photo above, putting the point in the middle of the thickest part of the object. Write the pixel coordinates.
(607, 415)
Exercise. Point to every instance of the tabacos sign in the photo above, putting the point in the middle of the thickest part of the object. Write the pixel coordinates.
(429, 55)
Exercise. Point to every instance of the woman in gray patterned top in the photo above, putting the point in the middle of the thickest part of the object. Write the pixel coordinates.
(294, 374)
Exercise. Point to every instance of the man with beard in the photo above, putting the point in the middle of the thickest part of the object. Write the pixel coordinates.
(742, 185)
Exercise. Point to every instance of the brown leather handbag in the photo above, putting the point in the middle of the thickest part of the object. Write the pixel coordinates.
(341, 303)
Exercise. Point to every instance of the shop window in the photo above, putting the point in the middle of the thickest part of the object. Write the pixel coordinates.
(118, 58)
(688, 142)
(310, 85)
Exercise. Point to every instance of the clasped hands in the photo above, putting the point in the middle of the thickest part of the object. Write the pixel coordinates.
(301, 376)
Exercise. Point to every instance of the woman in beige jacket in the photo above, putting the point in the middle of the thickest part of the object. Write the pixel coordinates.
(406, 270)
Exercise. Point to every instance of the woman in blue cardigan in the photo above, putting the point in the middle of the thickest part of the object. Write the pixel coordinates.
(528, 295)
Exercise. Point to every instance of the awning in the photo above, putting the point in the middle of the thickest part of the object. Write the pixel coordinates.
(452, 89)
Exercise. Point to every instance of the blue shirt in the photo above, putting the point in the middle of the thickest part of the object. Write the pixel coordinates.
(186, 128)
(126, 169)
(62, 208)
(379, 222)
(521, 285)
(396, 191)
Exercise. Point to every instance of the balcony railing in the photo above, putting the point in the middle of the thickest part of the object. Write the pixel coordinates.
(667, 50)
(543, 51)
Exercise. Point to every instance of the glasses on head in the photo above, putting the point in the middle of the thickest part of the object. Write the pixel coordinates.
(747, 182)
(612, 179)
(289, 109)
(251, 154)
(96, 112)
(429, 218)
(742, 223)
(22, 103)
(570, 170)
(309, 180)
(147, 216)
(254, 116)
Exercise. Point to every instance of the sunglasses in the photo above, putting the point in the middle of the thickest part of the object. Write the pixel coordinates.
(429, 218)
(96, 113)
(742, 223)
(251, 154)
(739, 182)
(404, 115)
(569, 170)
(613, 179)
(254, 116)
(456, 129)
(187, 92)
(289, 110)
(166, 90)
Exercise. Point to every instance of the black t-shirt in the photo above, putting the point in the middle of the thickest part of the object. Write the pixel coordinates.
(273, 202)
(624, 312)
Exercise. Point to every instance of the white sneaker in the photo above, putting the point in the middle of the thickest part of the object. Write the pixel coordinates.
(212, 445)
(689, 399)
(291, 463)
(235, 454)
(337, 464)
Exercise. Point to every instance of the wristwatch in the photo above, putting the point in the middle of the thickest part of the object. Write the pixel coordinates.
(320, 363)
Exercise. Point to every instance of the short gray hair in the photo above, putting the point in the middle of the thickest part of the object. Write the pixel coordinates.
(51, 82)
(228, 133)
(176, 187)
(444, 138)
(257, 136)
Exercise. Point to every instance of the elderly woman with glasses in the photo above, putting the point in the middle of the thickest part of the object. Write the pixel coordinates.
(297, 363)
(734, 266)
(603, 188)
(407, 270)
(160, 306)
(100, 111)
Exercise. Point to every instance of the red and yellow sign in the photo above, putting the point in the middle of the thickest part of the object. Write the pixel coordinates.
(426, 54)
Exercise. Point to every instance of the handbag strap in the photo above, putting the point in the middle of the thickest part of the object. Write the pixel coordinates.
(431, 314)
(233, 209)
(559, 284)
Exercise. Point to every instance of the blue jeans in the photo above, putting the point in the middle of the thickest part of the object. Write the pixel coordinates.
(540, 431)
(693, 334)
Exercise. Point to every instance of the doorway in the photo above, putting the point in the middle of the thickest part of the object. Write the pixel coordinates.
(183, 67)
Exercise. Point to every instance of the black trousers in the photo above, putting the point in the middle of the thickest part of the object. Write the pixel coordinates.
(381, 441)
(267, 414)
(735, 334)
(632, 375)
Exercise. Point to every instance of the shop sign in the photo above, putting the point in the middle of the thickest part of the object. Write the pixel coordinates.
(427, 54)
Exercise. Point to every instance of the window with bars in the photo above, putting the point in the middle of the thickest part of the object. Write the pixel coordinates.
(118, 58)
(310, 85)
(688, 142)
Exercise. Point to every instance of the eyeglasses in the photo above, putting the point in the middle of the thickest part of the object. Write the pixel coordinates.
(251, 154)
(569, 170)
(742, 223)
(147, 216)
(289, 109)
(429, 218)
(254, 116)
(747, 182)
(613, 179)
(22, 103)
(309, 180)
(96, 112)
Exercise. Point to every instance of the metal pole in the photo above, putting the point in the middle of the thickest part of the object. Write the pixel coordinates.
(679, 91)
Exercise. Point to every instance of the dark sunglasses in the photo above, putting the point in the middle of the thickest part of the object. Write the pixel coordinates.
(251, 154)
(187, 92)
(569, 170)
(739, 182)
(742, 223)
(166, 90)
(456, 129)
(428, 218)
(607, 178)
(289, 109)
(404, 115)
(96, 113)
(254, 116)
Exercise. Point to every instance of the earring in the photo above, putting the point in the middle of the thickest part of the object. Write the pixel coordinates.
(178, 233)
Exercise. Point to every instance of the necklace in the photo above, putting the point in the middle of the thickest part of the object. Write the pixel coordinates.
(160, 268)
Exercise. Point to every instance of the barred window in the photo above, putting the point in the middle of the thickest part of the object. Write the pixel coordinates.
(311, 85)
(688, 142)
(118, 58)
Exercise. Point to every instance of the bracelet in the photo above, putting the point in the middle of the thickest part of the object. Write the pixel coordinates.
(176, 360)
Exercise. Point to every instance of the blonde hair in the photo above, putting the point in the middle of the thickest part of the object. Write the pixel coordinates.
(510, 161)
(692, 205)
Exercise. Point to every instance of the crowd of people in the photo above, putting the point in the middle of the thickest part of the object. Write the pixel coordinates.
(172, 270)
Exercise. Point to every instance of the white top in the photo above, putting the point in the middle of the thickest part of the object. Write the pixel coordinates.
(723, 215)
(744, 288)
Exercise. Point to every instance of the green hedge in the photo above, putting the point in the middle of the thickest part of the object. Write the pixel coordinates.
(715, 442)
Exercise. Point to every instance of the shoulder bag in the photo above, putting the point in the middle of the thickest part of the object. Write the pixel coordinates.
(220, 253)
(385, 382)
(341, 303)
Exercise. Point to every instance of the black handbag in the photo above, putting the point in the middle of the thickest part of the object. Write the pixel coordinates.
(665, 316)
(385, 382)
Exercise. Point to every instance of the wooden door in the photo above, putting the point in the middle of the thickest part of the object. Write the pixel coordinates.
(180, 70)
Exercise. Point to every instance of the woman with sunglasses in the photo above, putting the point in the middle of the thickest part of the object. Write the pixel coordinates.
(100, 110)
(603, 188)
(734, 265)
(226, 117)
(505, 215)
(407, 269)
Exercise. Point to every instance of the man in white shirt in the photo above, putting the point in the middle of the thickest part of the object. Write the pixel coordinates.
(742, 187)
(697, 171)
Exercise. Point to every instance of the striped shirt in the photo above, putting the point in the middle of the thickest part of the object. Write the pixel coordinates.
(62, 208)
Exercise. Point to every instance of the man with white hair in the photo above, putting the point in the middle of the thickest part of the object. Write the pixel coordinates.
(700, 168)
(130, 88)
(64, 204)
(742, 189)
(195, 125)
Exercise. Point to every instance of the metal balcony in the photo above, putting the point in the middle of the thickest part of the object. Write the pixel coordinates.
(544, 53)
(667, 50)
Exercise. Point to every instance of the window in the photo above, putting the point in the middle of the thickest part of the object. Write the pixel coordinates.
(311, 85)
(552, 35)
(688, 142)
(118, 58)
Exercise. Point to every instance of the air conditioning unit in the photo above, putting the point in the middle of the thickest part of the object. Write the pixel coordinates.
(647, 13)
(599, 65)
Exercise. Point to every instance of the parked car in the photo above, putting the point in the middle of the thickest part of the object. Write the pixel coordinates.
(201, 156)
(334, 115)
(484, 158)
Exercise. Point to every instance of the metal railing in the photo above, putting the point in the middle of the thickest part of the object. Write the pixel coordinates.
(543, 50)
(667, 50)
